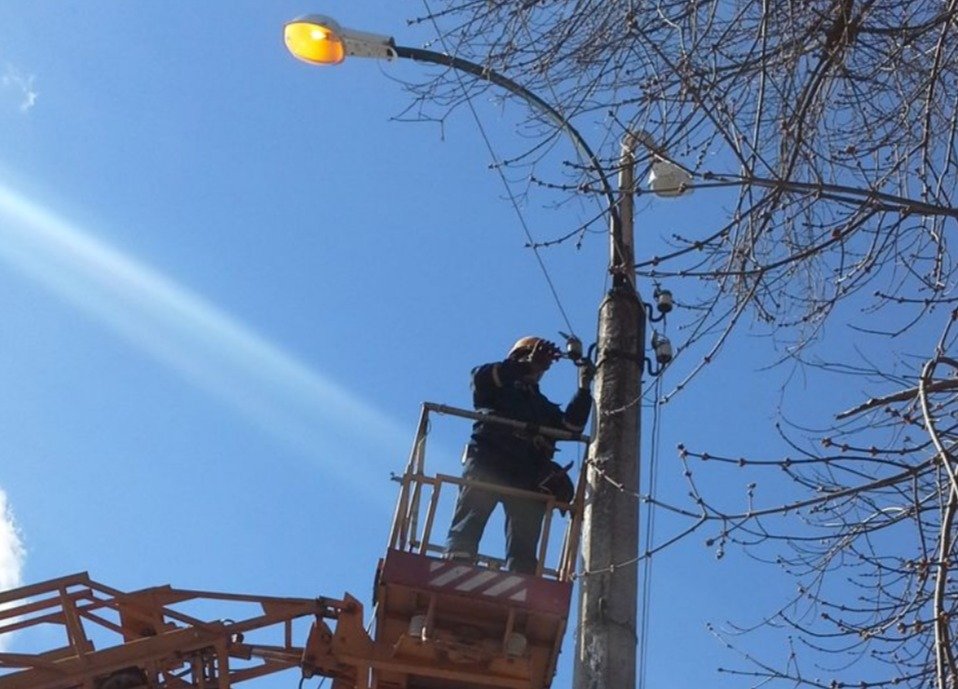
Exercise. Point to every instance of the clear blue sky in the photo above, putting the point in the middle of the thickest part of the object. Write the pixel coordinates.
(228, 280)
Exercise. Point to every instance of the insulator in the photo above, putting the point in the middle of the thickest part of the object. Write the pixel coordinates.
(663, 300)
(663, 348)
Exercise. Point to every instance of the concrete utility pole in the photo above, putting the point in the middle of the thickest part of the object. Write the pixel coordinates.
(606, 641)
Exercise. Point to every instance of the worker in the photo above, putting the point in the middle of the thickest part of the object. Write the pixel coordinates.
(511, 457)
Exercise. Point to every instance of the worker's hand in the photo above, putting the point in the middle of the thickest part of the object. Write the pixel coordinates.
(586, 373)
(543, 354)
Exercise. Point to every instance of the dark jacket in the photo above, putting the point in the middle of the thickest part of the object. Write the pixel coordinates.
(518, 457)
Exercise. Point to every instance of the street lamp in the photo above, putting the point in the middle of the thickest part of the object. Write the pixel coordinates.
(321, 40)
(606, 644)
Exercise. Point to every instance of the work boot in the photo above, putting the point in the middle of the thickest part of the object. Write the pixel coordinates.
(460, 556)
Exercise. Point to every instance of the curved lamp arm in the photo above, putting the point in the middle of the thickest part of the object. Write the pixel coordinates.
(321, 40)
(492, 76)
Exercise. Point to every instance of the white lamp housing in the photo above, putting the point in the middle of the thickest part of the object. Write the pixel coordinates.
(668, 179)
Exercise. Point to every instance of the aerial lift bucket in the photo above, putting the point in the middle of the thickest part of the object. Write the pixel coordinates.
(444, 623)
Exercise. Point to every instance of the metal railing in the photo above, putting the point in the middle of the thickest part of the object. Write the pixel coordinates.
(420, 494)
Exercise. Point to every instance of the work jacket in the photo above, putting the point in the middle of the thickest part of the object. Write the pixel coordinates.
(518, 456)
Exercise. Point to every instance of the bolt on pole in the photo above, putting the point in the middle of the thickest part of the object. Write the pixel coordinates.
(605, 656)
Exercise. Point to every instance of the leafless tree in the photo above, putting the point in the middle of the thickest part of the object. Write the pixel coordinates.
(830, 127)
(871, 539)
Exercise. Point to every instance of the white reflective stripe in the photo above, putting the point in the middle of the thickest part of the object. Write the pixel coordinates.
(519, 596)
(495, 376)
(433, 566)
(503, 586)
(451, 575)
(476, 581)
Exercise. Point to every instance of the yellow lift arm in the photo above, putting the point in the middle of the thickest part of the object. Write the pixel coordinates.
(152, 638)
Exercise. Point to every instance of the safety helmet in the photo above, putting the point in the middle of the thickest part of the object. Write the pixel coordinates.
(523, 344)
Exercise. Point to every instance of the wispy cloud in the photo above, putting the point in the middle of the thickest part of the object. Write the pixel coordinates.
(11, 547)
(12, 553)
(205, 345)
(21, 85)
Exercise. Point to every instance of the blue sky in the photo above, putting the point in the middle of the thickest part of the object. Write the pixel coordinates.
(228, 280)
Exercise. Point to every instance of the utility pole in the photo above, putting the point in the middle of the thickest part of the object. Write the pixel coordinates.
(608, 591)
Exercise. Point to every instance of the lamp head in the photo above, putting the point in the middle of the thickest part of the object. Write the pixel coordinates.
(668, 179)
(321, 40)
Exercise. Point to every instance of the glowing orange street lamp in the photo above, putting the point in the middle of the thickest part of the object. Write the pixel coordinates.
(320, 40)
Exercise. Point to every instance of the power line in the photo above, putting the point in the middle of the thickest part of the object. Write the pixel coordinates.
(554, 95)
(645, 613)
(502, 176)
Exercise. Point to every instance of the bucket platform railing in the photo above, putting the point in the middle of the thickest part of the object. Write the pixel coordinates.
(414, 523)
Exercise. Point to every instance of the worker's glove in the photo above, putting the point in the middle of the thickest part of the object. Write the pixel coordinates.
(543, 354)
(554, 480)
(586, 373)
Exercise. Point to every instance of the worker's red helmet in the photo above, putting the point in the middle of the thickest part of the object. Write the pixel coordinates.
(523, 346)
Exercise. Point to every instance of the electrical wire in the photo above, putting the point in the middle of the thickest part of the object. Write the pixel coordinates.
(554, 95)
(645, 612)
(505, 182)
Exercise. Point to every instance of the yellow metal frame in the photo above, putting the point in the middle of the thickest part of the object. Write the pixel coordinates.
(147, 632)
